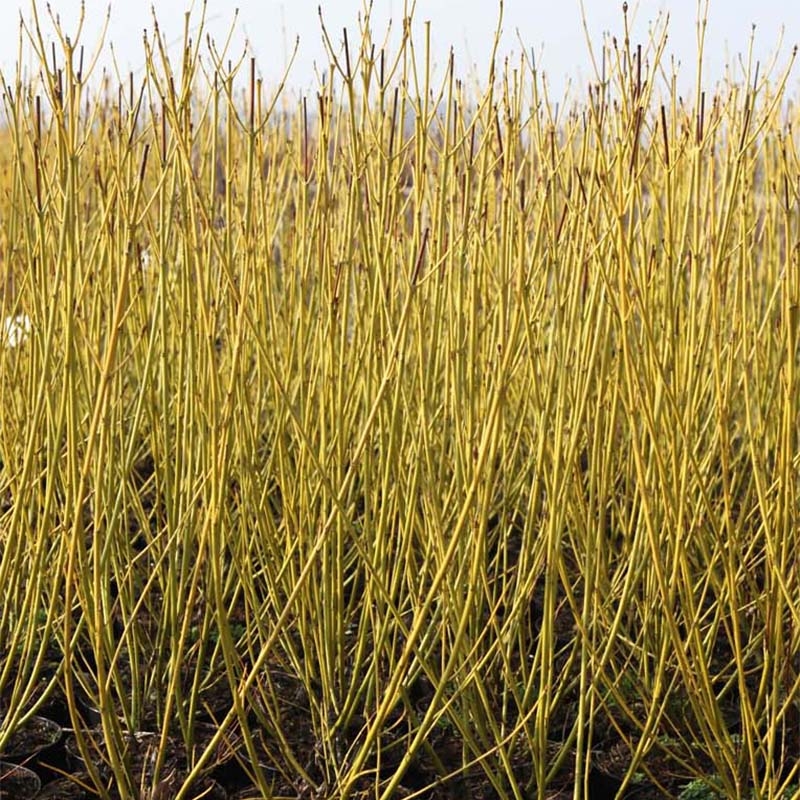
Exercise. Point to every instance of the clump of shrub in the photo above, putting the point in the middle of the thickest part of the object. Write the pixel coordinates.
(401, 437)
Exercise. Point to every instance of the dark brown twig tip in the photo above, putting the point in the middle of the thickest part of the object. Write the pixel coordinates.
(420, 257)
(347, 55)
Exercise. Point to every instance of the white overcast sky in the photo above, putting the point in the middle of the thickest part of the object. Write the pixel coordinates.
(553, 29)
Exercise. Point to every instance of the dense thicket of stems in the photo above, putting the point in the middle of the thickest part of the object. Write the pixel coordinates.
(403, 391)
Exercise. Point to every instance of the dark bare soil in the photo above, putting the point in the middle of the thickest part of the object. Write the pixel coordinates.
(55, 766)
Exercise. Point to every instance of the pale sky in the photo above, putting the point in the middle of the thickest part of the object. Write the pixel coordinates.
(553, 30)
